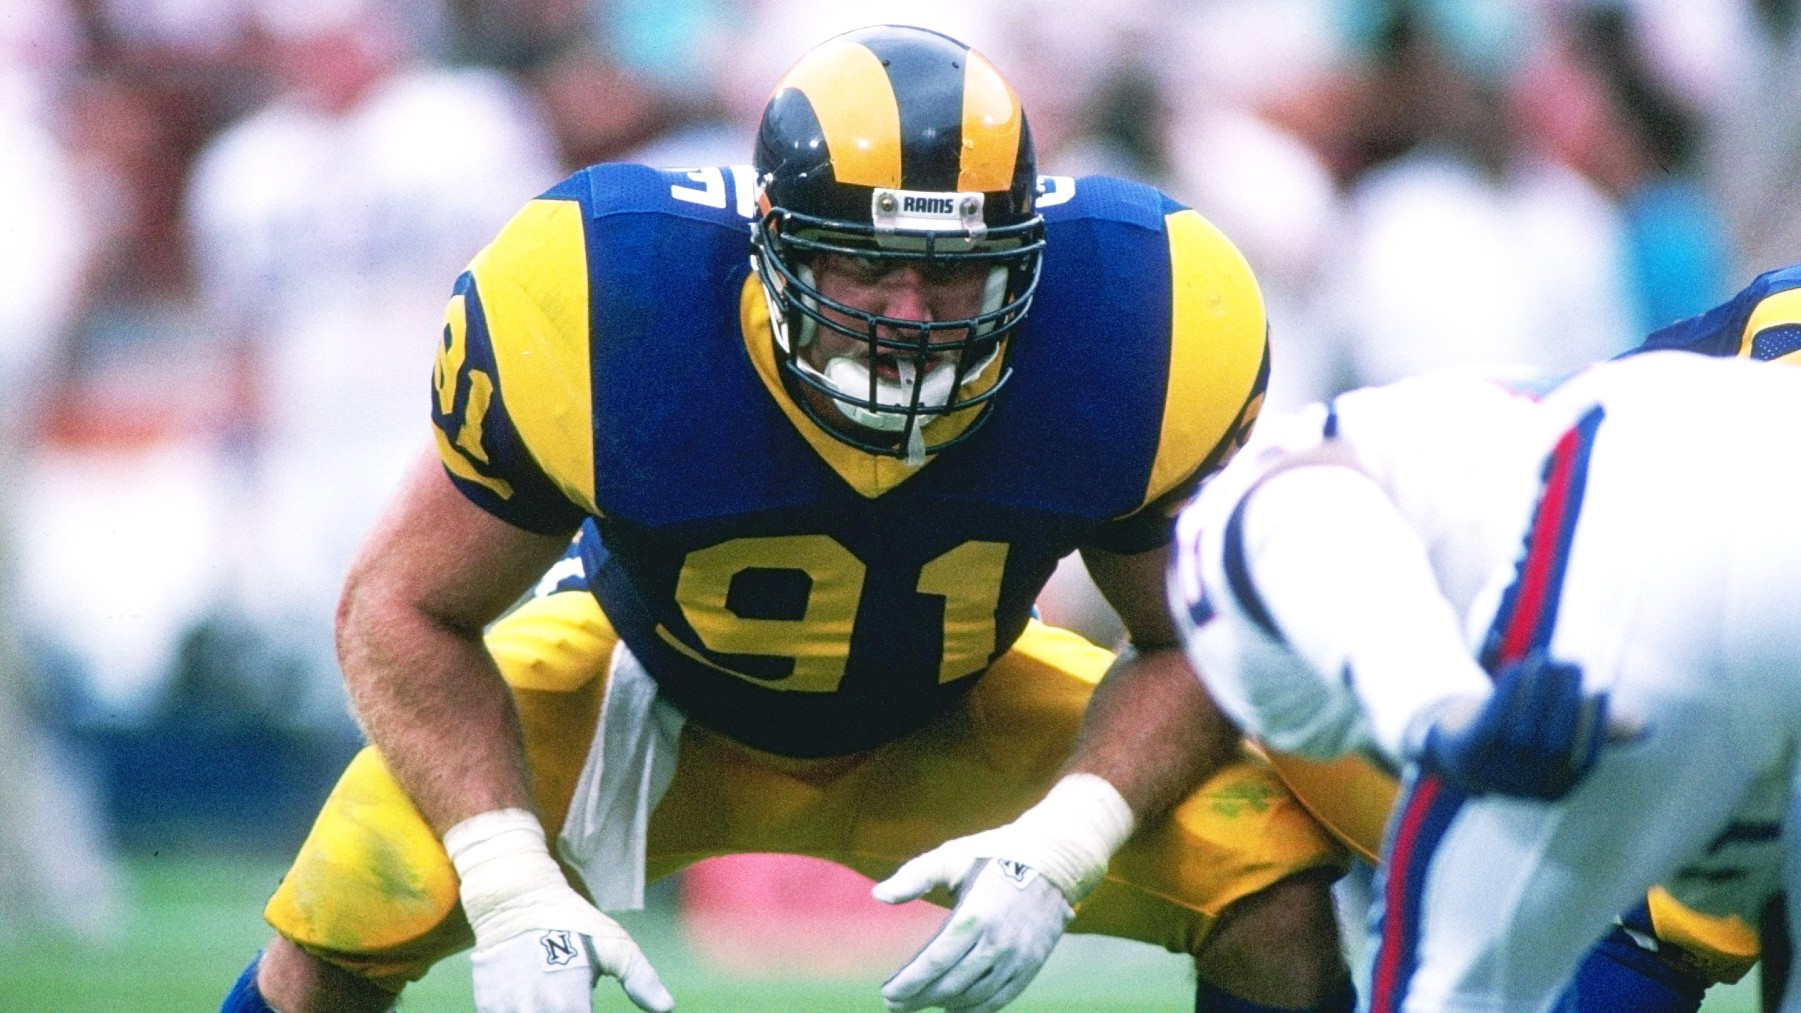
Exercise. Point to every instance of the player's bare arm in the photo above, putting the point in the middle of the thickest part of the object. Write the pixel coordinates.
(435, 571)
(1151, 730)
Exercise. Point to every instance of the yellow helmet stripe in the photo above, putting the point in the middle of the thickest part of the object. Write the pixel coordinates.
(992, 121)
(849, 91)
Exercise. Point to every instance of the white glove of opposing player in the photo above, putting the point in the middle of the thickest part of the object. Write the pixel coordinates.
(539, 947)
(1016, 887)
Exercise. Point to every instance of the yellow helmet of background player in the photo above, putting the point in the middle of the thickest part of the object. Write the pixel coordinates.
(897, 144)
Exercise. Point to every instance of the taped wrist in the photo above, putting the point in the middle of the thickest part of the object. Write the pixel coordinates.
(1074, 831)
(504, 868)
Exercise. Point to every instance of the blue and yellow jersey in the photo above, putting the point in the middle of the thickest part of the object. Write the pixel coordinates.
(609, 356)
(1761, 322)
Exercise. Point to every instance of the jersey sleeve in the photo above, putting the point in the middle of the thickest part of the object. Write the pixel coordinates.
(1762, 322)
(570, 573)
(1772, 331)
(1218, 371)
(1318, 631)
(511, 401)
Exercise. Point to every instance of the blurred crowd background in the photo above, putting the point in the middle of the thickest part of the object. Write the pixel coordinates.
(228, 228)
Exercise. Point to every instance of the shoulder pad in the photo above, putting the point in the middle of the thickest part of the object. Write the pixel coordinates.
(725, 193)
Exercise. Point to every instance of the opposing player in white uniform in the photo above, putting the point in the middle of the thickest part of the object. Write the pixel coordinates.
(1466, 581)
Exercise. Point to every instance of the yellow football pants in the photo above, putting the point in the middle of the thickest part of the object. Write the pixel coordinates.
(1352, 797)
(373, 891)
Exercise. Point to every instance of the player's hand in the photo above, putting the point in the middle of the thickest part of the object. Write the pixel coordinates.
(540, 947)
(548, 969)
(1015, 887)
(1007, 920)
(1536, 736)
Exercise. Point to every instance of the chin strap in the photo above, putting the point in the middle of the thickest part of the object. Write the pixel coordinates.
(916, 446)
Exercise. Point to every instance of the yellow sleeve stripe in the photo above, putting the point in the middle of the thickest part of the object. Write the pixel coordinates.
(849, 91)
(1217, 334)
(533, 281)
(1780, 308)
(991, 125)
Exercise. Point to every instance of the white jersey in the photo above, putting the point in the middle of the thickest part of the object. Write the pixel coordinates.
(1454, 453)
(1637, 521)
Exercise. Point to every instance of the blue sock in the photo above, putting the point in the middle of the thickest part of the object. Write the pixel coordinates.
(1619, 974)
(1208, 999)
(244, 996)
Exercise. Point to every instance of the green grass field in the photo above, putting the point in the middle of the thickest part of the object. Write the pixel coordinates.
(194, 921)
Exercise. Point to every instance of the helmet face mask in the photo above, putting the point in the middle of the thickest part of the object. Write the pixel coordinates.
(950, 120)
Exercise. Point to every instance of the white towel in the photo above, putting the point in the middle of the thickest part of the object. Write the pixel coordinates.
(629, 767)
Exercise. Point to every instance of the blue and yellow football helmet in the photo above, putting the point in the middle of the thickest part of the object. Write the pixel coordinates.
(898, 144)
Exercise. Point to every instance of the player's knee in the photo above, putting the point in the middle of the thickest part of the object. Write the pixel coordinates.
(1279, 947)
(288, 979)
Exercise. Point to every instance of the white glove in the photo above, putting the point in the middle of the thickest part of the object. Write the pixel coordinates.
(990, 948)
(1016, 887)
(539, 947)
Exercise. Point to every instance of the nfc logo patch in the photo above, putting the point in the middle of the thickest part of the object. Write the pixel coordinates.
(1016, 872)
(560, 949)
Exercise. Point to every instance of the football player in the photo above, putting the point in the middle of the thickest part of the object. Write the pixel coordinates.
(1549, 535)
(830, 421)
(1762, 322)
(1663, 956)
